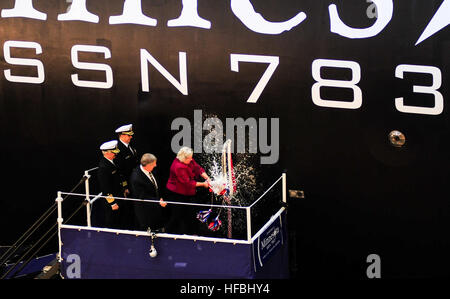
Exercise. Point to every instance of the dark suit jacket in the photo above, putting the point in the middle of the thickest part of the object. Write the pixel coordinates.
(111, 181)
(147, 214)
(110, 178)
(126, 159)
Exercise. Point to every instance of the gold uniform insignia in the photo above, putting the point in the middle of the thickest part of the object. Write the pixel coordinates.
(110, 198)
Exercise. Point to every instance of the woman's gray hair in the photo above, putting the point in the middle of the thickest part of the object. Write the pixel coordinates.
(184, 153)
(147, 159)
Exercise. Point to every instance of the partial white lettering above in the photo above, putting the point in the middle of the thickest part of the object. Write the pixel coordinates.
(380, 10)
(189, 17)
(385, 9)
(244, 11)
(439, 21)
(132, 14)
(78, 12)
(23, 9)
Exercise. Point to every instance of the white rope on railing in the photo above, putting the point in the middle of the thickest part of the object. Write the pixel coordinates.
(182, 203)
(157, 201)
(88, 197)
(95, 198)
(268, 223)
(89, 170)
(159, 235)
(266, 192)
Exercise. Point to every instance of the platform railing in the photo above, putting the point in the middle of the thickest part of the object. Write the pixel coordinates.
(33, 250)
(90, 199)
(87, 190)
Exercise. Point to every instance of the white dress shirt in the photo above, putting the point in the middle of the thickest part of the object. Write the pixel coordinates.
(150, 176)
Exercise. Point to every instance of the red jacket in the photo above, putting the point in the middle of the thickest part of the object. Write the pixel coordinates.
(182, 177)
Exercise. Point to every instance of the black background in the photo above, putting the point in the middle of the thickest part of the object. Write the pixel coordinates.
(363, 196)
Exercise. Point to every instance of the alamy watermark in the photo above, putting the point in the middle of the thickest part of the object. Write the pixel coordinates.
(374, 268)
(371, 11)
(73, 266)
(73, 269)
(247, 136)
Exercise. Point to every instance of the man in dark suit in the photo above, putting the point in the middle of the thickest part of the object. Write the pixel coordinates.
(143, 185)
(107, 210)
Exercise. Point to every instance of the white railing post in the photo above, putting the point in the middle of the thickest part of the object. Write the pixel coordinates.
(88, 204)
(59, 200)
(284, 187)
(249, 224)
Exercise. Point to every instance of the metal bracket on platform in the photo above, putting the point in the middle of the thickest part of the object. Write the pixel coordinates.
(152, 252)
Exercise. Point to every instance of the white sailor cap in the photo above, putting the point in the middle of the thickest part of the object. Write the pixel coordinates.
(110, 146)
(126, 129)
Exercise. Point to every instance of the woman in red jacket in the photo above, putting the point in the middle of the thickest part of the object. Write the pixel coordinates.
(182, 184)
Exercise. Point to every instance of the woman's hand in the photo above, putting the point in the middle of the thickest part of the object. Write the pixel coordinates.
(206, 177)
(202, 184)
